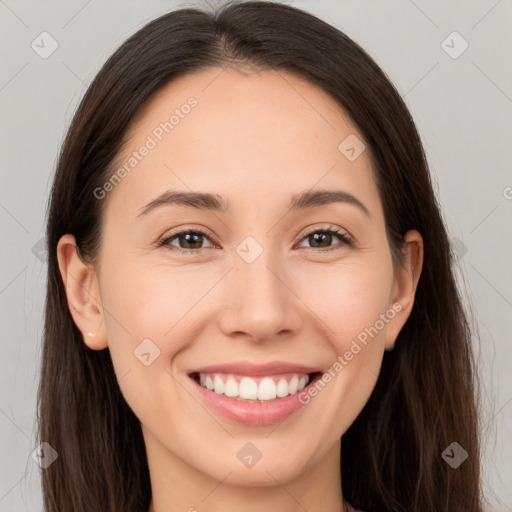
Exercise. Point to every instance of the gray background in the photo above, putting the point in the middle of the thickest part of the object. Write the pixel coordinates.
(463, 110)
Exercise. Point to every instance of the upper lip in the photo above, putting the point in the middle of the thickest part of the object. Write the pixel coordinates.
(247, 368)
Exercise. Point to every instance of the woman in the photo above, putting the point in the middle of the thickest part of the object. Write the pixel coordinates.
(251, 303)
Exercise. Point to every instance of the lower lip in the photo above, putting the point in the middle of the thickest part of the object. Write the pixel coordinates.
(252, 413)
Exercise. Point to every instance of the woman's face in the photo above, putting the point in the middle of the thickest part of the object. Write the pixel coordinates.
(259, 292)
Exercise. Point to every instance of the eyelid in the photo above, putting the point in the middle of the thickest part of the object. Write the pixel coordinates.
(330, 227)
(186, 229)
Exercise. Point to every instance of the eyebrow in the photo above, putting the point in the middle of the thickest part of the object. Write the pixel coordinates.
(320, 197)
(215, 202)
(200, 200)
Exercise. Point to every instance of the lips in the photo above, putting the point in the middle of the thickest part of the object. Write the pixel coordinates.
(251, 393)
(257, 370)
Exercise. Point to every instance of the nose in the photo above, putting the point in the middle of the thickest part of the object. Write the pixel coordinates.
(261, 304)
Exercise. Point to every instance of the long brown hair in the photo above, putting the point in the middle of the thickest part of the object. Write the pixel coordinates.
(426, 394)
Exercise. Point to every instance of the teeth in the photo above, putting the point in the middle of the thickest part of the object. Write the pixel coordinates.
(231, 388)
(293, 385)
(247, 388)
(282, 388)
(218, 385)
(266, 389)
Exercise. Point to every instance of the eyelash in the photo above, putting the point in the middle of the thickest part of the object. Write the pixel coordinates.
(346, 240)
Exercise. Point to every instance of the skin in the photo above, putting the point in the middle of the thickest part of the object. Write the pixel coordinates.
(256, 139)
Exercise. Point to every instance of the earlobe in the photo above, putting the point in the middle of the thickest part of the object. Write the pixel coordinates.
(82, 290)
(406, 283)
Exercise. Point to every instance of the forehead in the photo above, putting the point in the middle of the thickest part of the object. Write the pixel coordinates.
(243, 135)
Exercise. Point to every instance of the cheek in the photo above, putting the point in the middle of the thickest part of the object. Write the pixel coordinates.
(149, 301)
(349, 303)
(145, 333)
(156, 310)
(348, 300)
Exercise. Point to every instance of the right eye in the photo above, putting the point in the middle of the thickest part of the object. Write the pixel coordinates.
(192, 238)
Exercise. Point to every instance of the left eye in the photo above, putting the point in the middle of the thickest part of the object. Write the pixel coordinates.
(326, 235)
(193, 240)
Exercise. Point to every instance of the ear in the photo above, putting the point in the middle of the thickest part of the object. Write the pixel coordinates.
(82, 291)
(405, 284)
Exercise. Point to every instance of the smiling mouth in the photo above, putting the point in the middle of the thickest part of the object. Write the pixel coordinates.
(253, 389)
